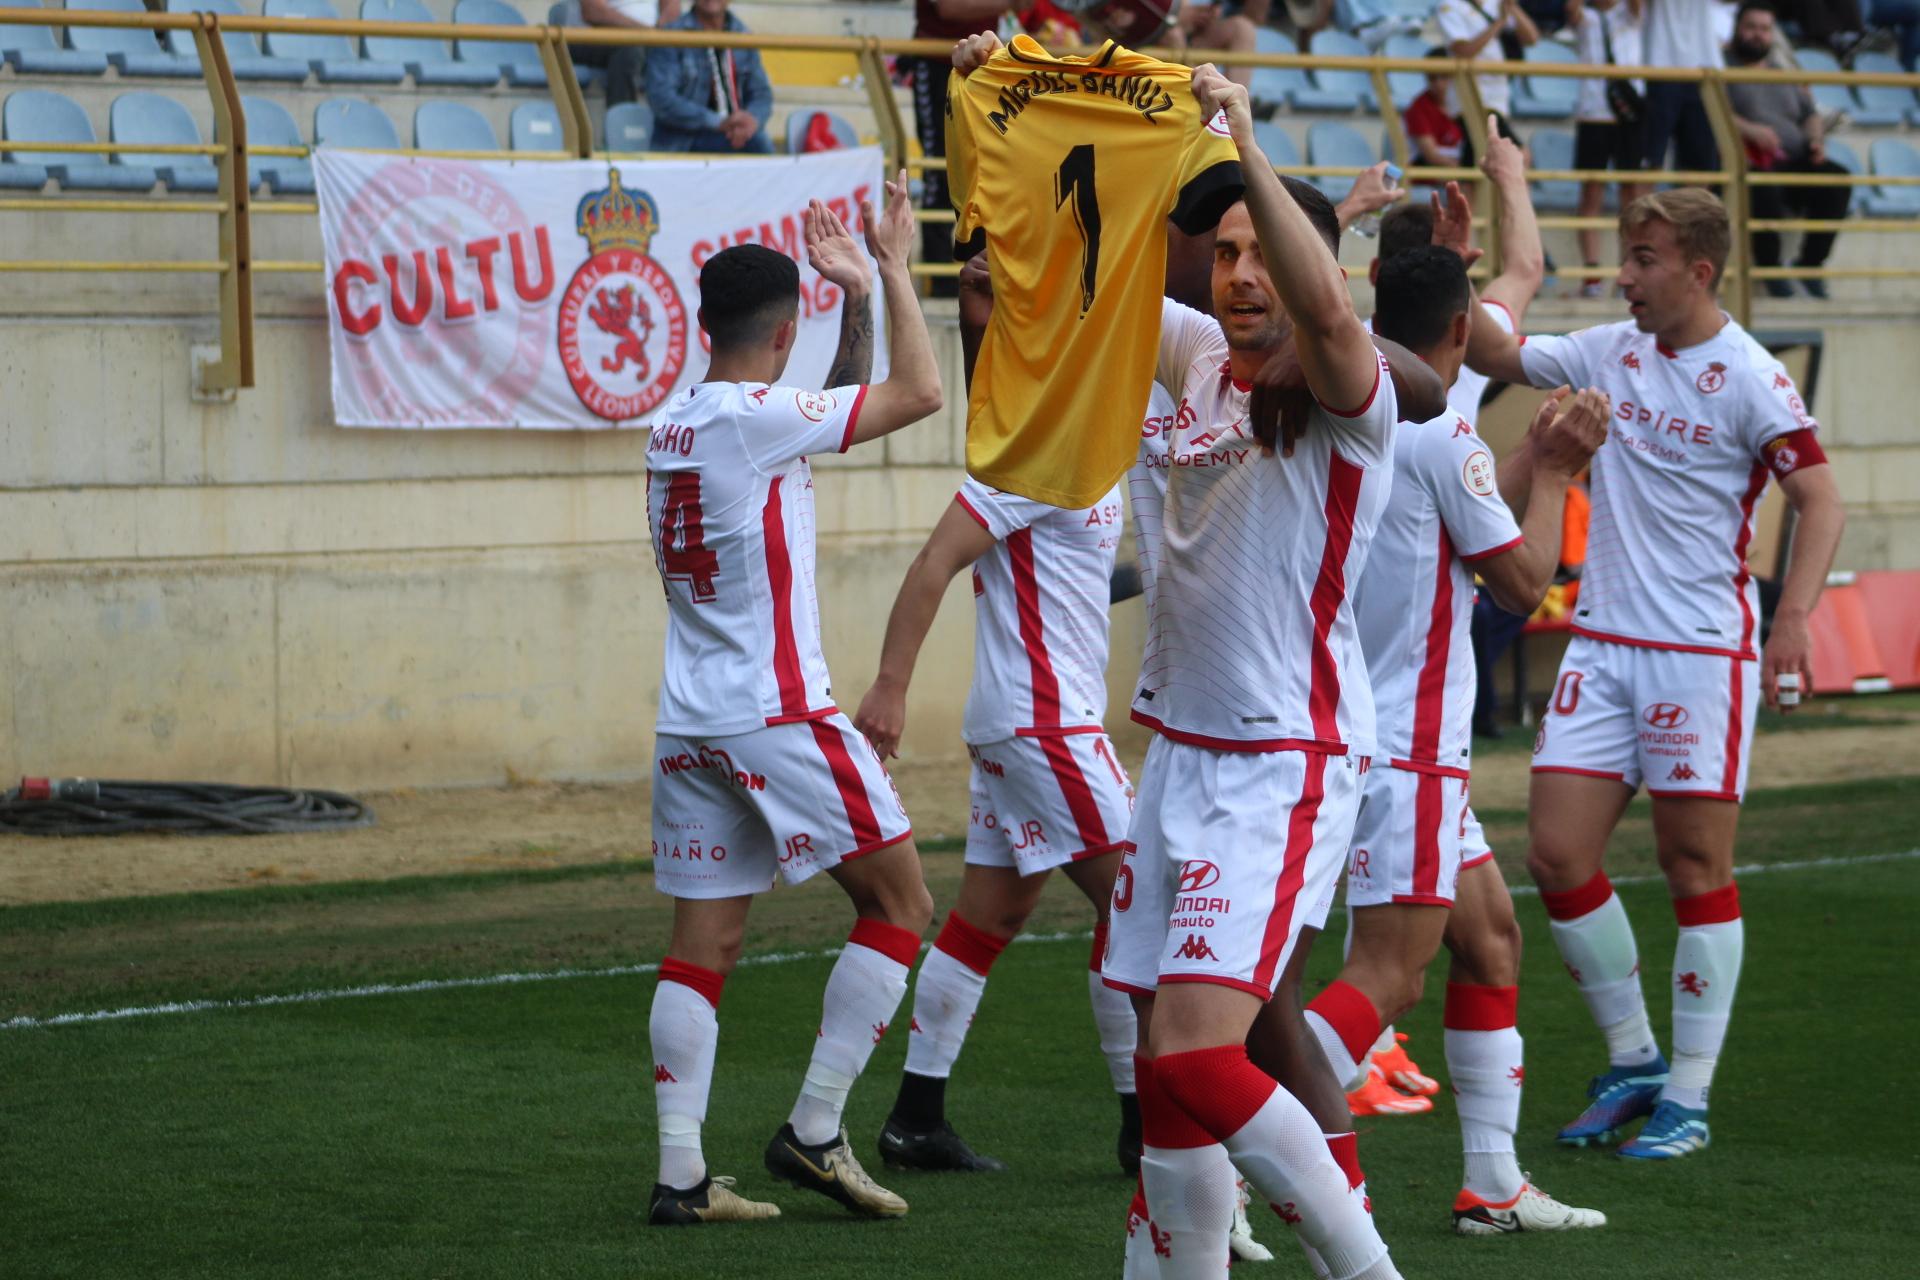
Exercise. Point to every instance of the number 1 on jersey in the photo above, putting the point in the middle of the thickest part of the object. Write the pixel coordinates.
(1075, 181)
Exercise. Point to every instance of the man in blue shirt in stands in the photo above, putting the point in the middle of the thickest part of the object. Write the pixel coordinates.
(708, 99)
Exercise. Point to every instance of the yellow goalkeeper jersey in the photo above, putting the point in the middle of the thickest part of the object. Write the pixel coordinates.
(1065, 170)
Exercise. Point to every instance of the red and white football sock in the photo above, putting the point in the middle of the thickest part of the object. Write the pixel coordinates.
(1144, 1246)
(946, 993)
(863, 993)
(1112, 1017)
(1706, 972)
(1347, 1026)
(1596, 944)
(683, 1029)
(1188, 1183)
(1486, 1062)
(1275, 1142)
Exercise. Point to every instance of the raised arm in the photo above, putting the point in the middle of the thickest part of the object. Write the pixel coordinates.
(832, 252)
(957, 541)
(1523, 259)
(1371, 192)
(1490, 349)
(1336, 351)
(1561, 441)
(912, 389)
(1816, 537)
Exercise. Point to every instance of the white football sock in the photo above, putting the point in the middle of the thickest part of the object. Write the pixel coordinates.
(945, 995)
(1596, 942)
(1486, 1061)
(682, 1030)
(1113, 1017)
(863, 993)
(1706, 972)
(1191, 1193)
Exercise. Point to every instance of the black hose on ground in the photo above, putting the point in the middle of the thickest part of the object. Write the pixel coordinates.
(85, 807)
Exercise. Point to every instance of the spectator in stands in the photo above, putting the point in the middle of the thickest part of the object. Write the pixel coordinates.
(948, 21)
(1903, 16)
(625, 65)
(1433, 124)
(709, 99)
(1783, 133)
(1211, 26)
(1679, 33)
(1488, 30)
(1837, 25)
(1372, 21)
(1605, 31)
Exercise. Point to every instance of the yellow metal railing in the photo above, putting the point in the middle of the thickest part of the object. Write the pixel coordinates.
(234, 207)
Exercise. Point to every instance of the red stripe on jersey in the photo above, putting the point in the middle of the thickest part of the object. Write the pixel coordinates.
(1636, 643)
(853, 417)
(1293, 870)
(1380, 370)
(1421, 766)
(1478, 556)
(1079, 796)
(847, 780)
(966, 506)
(1026, 593)
(1428, 814)
(1329, 590)
(786, 650)
(1237, 744)
(1430, 694)
(1756, 481)
(1730, 780)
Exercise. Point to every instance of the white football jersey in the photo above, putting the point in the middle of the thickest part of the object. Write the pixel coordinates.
(1147, 494)
(1675, 485)
(1258, 557)
(1414, 601)
(1040, 601)
(1464, 396)
(730, 507)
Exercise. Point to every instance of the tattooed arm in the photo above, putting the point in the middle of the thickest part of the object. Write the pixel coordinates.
(853, 362)
(832, 252)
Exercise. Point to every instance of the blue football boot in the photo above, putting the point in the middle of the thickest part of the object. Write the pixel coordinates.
(1621, 1095)
(1673, 1132)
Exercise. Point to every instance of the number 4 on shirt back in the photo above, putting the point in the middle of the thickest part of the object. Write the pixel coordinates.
(1075, 182)
(684, 555)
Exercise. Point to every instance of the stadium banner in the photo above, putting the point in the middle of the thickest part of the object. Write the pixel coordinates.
(558, 295)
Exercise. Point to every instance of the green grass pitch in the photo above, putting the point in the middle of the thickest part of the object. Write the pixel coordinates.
(506, 1131)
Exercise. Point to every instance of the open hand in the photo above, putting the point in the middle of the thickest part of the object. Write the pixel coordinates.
(890, 236)
(832, 252)
(1453, 221)
(1280, 404)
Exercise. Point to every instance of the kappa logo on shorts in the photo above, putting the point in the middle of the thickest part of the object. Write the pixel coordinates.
(1196, 948)
(1197, 874)
(1683, 772)
(1665, 715)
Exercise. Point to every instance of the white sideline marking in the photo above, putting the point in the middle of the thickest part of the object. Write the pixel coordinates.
(778, 957)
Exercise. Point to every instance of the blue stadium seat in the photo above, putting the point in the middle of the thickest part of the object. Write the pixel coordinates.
(1553, 149)
(1893, 158)
(428, 61)
(331, 57)
(40, 115)
(1276, 85)
(269, 125)
(629, 127)
(37, 51)
(1331, 143)
(243, 48)
(152, 118)
(132, 52)
(535, 126)
(348, 122)
(518, 61)
(1878, 104)
(799, 122)
(567, 14)
(1335, 90)
(452, 126)
(1828, 97)
(1849, 159)
(1405, 85)
(1547, 97)
(1278, 145)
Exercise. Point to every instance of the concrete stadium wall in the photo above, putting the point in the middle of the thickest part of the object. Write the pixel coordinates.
(245, 592)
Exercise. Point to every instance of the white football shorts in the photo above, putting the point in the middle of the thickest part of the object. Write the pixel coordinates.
(730, 814)
(1679, 723)
(1408, 843)
(1044, 801)
(1231, 854)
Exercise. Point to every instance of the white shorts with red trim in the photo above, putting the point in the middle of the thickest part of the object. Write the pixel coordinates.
(730, 814)
(1407, 842)
(1681, 723)
(1474, 848)
(1232, 853)
(1042, 802)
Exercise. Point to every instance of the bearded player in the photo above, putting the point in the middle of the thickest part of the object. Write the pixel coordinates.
(1262, 722)
(761, 777)
(1660, 684)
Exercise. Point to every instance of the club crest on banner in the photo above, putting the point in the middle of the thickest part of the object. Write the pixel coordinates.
(622, 324)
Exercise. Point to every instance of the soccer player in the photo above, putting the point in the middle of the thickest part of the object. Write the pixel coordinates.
(1661, 681)
(1445, 522)
(761, 777)
(1047, 787)
(1251, 783)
